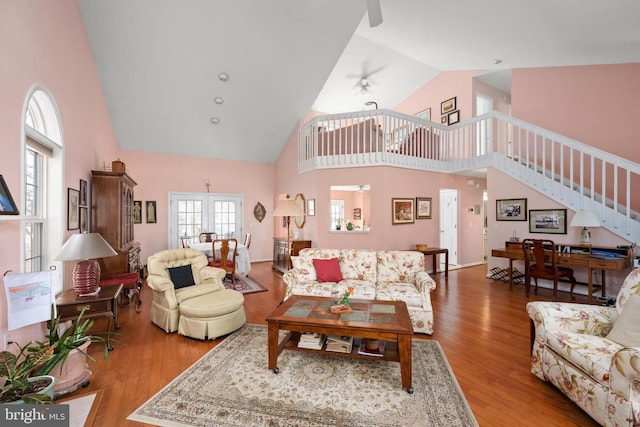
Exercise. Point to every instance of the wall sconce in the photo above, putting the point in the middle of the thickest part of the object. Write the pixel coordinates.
(207, 184)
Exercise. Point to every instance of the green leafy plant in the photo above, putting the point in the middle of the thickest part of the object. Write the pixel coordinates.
(40, 357)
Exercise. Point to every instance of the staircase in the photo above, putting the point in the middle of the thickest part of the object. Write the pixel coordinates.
(573, 174)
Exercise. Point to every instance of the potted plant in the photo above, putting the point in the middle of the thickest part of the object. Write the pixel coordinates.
(339, 223)
(21, 384)
(68, 362)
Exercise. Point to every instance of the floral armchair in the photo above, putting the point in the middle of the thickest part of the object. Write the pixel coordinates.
(592, 353)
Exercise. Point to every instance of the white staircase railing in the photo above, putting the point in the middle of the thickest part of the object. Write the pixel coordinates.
(574, 174)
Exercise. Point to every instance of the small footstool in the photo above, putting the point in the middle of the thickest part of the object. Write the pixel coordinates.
(130, 281)
(212, 315)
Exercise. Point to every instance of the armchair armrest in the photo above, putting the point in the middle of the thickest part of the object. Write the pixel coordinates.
(212, 276)
(579, 318)
(624, 375)
(159, 283)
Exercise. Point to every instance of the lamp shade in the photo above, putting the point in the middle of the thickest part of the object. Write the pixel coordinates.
(288, 207)
(85, 246)
(585, 219)
(86, 273)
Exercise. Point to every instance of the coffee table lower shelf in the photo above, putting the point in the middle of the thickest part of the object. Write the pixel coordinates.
(290, 342)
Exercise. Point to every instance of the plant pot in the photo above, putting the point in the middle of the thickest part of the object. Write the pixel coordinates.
(48, 390)
(74, 370)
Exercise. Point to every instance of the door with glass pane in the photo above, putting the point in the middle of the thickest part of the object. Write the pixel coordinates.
(193, 213)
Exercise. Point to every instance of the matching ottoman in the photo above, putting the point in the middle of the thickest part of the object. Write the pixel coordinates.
(212, 315)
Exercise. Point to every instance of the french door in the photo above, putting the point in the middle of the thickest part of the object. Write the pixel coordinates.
(193, 213)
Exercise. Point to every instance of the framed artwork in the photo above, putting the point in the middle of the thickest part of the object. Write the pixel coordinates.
(424, 114)
(357, 213)
(311, 207)
(511, 210)
(423, 207)
(137, 211)
(548, 221)
(151, 212)
(453, 117)
(84, 224)
(444, 119)
(7, 205)
(73, 211)
(448, 106)
(83, 192)
(402, 210)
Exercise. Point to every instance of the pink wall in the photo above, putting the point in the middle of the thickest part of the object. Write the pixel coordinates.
(43, 43)
(597, 105)
(158, 174)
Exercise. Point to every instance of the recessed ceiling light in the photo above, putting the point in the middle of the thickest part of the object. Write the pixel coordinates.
(218, 100)
(223, 77)
(215, 120)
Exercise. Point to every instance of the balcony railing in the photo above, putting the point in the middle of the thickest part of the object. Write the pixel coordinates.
(568, 171)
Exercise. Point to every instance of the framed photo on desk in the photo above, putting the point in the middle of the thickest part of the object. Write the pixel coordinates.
(548, 221)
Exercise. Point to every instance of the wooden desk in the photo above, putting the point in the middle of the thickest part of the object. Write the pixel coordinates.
(587, 261)
(434, 252)
(69, 305)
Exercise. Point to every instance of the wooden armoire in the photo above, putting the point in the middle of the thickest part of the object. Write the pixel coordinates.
(112, 217)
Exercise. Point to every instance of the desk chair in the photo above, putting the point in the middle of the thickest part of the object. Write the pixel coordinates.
(540, 262)
(221, 258)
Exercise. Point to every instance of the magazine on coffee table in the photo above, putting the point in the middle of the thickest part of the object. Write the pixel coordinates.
(366, 351)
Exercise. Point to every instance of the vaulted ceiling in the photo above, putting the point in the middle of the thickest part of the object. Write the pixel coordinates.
(159, 61)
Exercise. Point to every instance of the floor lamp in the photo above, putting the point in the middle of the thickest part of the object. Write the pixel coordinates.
(288, 208)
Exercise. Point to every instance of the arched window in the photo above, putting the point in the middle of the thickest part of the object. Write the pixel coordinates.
(43, 188)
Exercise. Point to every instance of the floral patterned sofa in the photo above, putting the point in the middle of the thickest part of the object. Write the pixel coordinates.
(382, 275)
(592, 353)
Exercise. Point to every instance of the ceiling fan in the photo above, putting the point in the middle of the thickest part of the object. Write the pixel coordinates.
(375, 12)
(364, 83)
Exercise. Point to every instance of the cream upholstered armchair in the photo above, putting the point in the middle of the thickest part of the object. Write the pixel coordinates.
(592, 353)
(189, 297)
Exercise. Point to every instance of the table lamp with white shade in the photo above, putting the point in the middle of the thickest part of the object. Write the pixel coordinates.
(585, 219)
(85, 248)
(288, 208)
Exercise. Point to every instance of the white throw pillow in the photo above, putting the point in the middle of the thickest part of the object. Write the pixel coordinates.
(626, 329)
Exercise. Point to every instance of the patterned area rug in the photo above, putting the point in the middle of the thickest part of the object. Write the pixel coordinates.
(244, 284)
(232, 386)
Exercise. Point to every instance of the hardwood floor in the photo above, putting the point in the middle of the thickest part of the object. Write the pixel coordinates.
(482, 327)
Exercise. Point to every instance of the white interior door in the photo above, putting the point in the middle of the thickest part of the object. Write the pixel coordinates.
(484, 104)
(449, 223)
(193, 213)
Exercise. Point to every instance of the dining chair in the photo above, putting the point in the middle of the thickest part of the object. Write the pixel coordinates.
(207, 236)
(225, 252)
(247, 240)
(541, 262)
(184, 241)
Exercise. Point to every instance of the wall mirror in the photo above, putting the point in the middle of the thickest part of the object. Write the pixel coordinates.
(301, 202)
(350, 208)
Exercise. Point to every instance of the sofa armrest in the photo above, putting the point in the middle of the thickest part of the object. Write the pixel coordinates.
(290, 279)
(570, 317)
(424, 282)
(624, 375)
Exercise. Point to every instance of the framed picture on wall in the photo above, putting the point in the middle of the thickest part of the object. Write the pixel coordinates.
(548, 221)
(137, 211)
(453, 117)
(402, 211)
(84, 219)
(73, 206)
(423, 207)
(311, 207)
(511, 210)
(448, 106)
(151, 212)
(424, 114)
(7, 205)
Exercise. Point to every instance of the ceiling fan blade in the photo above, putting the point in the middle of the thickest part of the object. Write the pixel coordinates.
(375, 12)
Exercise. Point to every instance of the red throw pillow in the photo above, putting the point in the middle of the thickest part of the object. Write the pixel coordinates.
(328, 270)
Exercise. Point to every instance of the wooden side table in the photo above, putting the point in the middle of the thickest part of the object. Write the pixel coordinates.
(434, 252)
(69, 305)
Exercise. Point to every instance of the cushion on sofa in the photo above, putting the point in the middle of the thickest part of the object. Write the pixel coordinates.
(327, 270)
(398, 291)
(304, 269)
(359, 264)
(591, 353)
(362, 289)
(626, 328)
(399, 266)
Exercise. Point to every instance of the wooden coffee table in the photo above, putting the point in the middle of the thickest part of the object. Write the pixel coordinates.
(382, 320)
